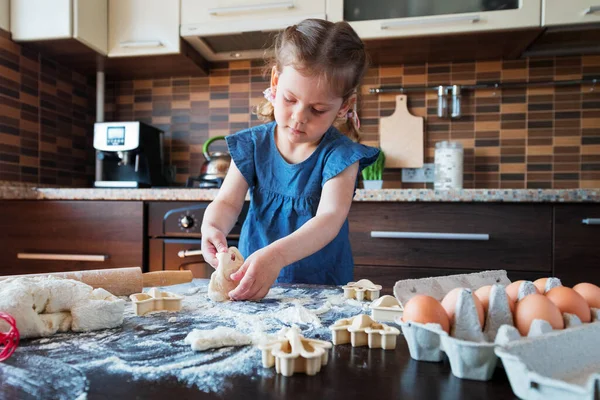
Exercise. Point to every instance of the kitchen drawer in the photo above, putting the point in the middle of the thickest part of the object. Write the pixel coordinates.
(577, 243)
(520, 235)
(53, 236)
(388, 276)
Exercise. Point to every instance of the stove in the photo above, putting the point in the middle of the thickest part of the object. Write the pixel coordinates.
(174, 238)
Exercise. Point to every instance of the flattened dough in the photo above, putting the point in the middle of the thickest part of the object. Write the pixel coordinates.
(220, 284)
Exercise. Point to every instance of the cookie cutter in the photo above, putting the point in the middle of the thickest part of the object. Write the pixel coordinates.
(155, 300)
(291, 352)
(361, 330)
(364, 289)
(386, 308)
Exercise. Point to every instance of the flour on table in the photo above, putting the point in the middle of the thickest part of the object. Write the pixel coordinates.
(43, 306)
(172, 319)
(222, 336)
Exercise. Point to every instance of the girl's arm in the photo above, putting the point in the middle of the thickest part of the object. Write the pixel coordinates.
(262, 268)
(222, 213)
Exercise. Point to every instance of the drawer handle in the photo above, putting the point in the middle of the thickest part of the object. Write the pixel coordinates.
(251, 8)
(433, 21)
(146, 44)
(430, 235)
(591, 10)
(591, 221)
(62, 257)
(189, 253)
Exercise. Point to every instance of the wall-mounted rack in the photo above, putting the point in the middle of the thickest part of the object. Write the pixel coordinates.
(453, 92)
(488, 85)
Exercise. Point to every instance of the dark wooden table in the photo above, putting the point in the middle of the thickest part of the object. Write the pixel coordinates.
(350, 373)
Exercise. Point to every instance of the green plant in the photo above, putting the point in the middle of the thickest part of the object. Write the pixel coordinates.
(374, 172)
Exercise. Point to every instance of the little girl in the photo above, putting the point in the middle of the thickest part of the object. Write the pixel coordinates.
(301, 171)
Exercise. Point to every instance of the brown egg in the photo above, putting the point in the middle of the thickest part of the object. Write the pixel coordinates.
(590, 292)
(540, 284)
(569, 301)
(483, 294)
(512, 290)
(425, 310)
(449, 304)
(536, 306)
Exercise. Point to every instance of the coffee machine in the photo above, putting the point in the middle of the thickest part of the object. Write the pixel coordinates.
(128, 155)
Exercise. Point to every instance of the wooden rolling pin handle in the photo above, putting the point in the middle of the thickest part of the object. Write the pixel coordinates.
(166, 278)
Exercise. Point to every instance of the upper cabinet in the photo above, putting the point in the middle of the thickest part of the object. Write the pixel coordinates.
(393, 18)
(4, 15)
(143, 27)
(561, 12)
(241, 29)
(83, 20)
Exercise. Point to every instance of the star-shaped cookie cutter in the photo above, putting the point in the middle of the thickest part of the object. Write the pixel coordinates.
(361, 330)
(362, 290)
(291, 352)
(155, 300)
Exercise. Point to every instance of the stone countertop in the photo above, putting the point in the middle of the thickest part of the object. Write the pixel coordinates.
(28, 192)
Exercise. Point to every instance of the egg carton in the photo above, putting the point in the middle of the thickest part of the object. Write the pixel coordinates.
(470, 351)
(563, 364)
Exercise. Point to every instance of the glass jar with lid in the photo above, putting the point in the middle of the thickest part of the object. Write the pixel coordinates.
(448, 165)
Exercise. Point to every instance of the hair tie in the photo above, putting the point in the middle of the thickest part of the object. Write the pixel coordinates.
(268, 93)
(8, 340)
(353, 115)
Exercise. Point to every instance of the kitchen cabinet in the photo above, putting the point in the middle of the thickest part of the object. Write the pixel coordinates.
(577, 243)
(85, 21)
(393, 241)
(54, 236)
(392, 18)
(5, 15)
(213, 17)
(224, 30)
(143, 27)
(560, 12)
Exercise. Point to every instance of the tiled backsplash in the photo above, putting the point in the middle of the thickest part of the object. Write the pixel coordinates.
(528, 137)
(46, 117)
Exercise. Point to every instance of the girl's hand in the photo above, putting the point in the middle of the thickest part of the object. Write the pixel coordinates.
(257, 275)
(213, 242)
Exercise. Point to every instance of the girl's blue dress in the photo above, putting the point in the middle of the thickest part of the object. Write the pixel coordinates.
(284, 196)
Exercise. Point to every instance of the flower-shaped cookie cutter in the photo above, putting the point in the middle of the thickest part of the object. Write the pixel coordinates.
(386, 308)
(361, 330)
(362, 290)
(291, 352)
(155, 300)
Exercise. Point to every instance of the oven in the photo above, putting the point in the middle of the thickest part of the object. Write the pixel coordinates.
(174, 237)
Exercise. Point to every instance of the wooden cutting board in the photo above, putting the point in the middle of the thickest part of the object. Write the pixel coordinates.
(401, 137)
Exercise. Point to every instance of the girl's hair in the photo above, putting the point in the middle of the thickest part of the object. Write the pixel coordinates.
(333, 52)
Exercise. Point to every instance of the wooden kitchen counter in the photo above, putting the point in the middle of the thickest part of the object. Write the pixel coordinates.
(147, 358)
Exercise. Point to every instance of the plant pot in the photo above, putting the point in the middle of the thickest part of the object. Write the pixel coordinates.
(373, 184)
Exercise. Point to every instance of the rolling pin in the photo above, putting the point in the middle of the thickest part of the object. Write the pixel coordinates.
(121, 281)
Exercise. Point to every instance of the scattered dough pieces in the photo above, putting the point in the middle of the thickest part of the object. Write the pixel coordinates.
(220, 284)
(43, 306)
(222, 336)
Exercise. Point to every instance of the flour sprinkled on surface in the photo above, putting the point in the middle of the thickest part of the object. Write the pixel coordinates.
(152, 348)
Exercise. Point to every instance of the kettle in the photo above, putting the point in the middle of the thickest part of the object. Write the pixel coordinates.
(216, 165)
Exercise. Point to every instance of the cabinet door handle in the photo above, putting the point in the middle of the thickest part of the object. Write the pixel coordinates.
(146, 44)
(62, 257)
(189, 253)
(250, 8)
(591, 10)
(591, 221)
(433, 21)
(430, 235)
